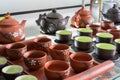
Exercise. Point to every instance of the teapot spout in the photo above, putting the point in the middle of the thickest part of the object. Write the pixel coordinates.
(23, 23)
(66, 19)
(104, 15)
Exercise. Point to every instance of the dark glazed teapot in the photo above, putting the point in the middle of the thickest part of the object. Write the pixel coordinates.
(113, 14)
(51, 22)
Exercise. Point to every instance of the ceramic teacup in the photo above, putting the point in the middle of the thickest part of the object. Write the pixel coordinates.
(63, 36)
(84, 32)
(12, 71)
(3, 62)
(56, 70)
(59, 51)
(107, 25)
(26, 77)
(15, 51)
(117, 44)
(81, 61)
(105, 51)
(43, 43)
(103, 37)
(83, 42)
(35, 59)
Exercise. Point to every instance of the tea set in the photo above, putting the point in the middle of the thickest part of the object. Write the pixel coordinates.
(57, 60)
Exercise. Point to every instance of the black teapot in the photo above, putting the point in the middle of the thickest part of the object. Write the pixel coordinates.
(113, 14)
(51, 22)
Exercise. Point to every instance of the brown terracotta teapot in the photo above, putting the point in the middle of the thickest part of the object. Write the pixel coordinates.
(51, 22)
(82, 18)
(11, 30)
(113, 14)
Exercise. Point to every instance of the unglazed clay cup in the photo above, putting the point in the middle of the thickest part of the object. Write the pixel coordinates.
(105, 51)
(15, 51)
(81, 61)
(84, 32)
(83, 42)
(103, 37)
(26, 77)
(59, 52)
(117, 44)
(63, 36)
(35, 59)
(56, 70)
(12, 71)
(107, 25)
(43, 43)
(3, 62)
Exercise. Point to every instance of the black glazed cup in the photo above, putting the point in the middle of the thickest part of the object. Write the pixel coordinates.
(12, 71)
(63, 36)
(103, 37)
(105, 51)
(3, 62)
(117, 44)
(84, 32)
(83, 43)
(26, 77)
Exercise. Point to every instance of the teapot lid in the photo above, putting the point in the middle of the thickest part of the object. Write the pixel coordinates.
(7, 20)
(114, 9)
(54, 15)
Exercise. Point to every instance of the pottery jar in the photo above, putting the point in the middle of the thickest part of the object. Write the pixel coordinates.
(11, 30)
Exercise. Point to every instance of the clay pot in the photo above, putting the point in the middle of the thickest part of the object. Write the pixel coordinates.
(59, 51)
(3, 51)
(43, 43)
(35, 59)
(15, 51)
(11, 30)
(93, 72)
(107, 25)
(63, 36)
(56, 70)
(81, 61)
(12, 71)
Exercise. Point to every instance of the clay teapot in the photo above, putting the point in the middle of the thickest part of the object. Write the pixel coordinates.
(82, 18)
(11, 30)
(51, 22)
(113, 14)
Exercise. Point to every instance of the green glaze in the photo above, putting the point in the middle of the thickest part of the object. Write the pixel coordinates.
(64, 32)
(85, 30)
(83, 39)
(3, 60)
(106, 46)
(26, 77)
(105, 35)
(117, 41)
(12, 69)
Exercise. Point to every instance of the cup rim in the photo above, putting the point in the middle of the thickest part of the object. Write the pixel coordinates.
(37, 40)
(57, 32)
(26, 75)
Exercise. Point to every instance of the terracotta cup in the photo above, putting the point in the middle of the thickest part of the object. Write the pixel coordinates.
(105, 51)
(15, 51)
(107, 25)
(117, 44)
(56, 70)
(103, 37)
(85, 32)
(81, 61)
(35, 59)
(63, 36)
(59, 51)
(43, 43)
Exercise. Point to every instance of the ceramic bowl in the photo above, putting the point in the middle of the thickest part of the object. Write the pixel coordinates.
(15, 51)
(59, 51)
(107, 25)
(103, 37)
(63, 36)
(83, 42)
(3, 62)
(26, 77)
(56, 70)
(35, 59)
(105, 51)
(81, 61)
(12, 71)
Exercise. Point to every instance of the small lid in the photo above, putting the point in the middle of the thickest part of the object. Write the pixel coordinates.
(114, 9)
(7, 20)
(54, 15)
